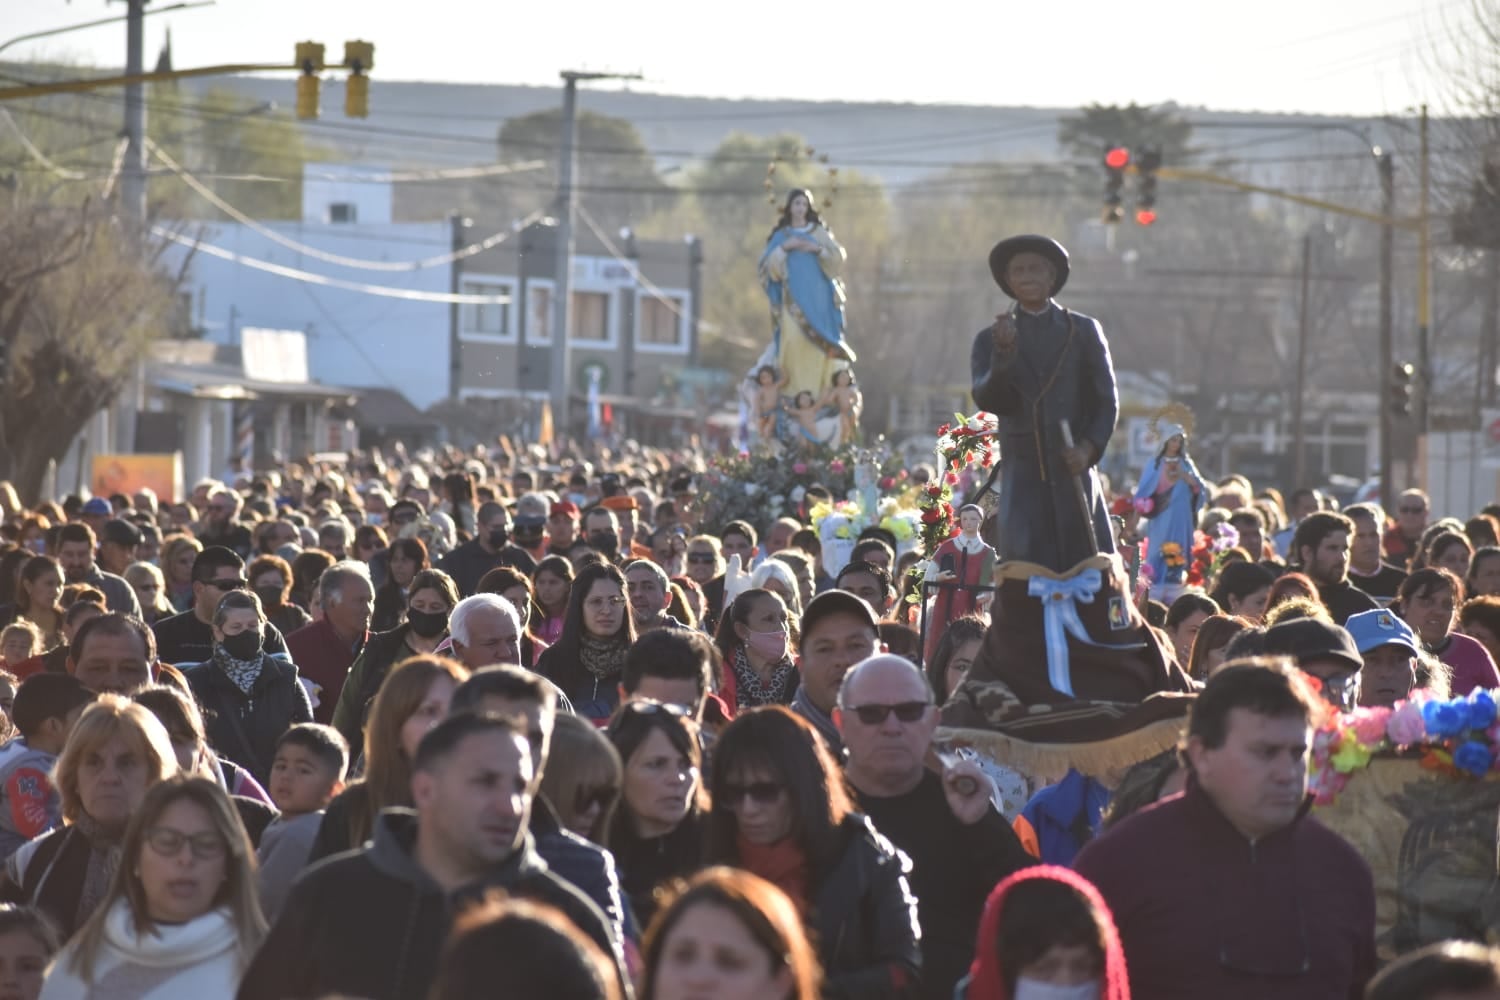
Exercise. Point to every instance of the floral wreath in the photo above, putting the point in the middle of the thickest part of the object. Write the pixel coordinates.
(966, 442)
(1456, 736)
(810, 154)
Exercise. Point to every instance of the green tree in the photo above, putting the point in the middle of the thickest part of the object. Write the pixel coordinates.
(1086, 135)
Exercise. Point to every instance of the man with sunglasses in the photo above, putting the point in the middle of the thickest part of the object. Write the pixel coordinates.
(959, 845)
(189, 637)
(1230, 889)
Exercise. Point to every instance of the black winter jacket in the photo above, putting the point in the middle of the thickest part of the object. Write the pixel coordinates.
(865, 919)
(371, 923)
(244, 727)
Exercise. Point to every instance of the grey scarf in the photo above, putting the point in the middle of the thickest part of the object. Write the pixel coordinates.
(244, 673)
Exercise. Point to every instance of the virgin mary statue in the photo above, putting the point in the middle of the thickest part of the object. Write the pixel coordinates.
(799, 270)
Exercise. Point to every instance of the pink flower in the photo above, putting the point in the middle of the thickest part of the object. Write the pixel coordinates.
(800, 468)
(1325, 744)
(1405, 726)
(836, 466)
(1144, 505)
(886, 482)
(1369, 724)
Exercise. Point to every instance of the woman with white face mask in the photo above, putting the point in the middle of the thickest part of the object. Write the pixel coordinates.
(756, 637)
(1046, 934)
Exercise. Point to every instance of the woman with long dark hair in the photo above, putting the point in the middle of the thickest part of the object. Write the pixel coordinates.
(782, 811)
(1184, 618)
(954, 655)
(1428, 601)
(1243, 589)
(658, 831)
(587, 661)
(1211, 641)
(551, 584)
(37, 596)
(756, 637)
(408, 557)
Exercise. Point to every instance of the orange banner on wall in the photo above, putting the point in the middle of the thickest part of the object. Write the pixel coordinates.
(128, 474)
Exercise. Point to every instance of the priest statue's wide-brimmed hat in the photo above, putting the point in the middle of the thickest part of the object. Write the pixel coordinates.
(1005, 250)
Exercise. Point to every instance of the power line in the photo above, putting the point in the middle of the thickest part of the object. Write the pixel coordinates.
(296, 274)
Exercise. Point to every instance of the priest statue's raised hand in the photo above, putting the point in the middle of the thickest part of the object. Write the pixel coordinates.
(1039, 367)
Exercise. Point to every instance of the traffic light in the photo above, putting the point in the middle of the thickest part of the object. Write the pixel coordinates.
(1145, 198)
(1116, 159)
(310, 61)
(1402, 375)
(359, 57)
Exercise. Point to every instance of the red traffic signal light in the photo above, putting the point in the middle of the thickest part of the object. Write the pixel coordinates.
(1145, 216)
(1117, 158)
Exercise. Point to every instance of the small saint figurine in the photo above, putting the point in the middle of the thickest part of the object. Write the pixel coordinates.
(960, 565)
(843, 397)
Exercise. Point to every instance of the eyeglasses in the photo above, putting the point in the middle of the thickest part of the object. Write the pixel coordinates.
(604, 603)
(701, 557)
(587, 798)
(169, 842)
(233, 583)
(906, 711)
(762, 793)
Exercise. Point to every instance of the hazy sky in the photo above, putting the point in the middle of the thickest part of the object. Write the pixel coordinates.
(1330, 56)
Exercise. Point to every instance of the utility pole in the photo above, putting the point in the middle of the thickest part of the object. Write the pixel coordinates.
(133, 170)
(1424, 295)
(1299, 459)
(562, 282)
(1387, 169)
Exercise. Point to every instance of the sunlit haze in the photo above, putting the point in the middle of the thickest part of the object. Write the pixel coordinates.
(1327, 56)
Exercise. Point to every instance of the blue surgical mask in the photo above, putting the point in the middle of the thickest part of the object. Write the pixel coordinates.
(1031, 989)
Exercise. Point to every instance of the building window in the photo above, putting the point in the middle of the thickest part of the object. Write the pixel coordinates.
(661, 321)
(489, 318)
(343, 211)
(590, 316)
(538, 313)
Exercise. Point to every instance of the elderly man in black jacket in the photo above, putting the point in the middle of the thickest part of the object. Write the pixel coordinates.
(1038, 367)
(959, 845)
(371, 923)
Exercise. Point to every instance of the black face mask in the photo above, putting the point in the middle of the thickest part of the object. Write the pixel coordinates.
(270, 597)
(498, 537)
(427, 624)
(242, 645)
(604, 542)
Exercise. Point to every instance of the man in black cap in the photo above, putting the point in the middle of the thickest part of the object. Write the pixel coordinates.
(1324, 651)
(1040, 366)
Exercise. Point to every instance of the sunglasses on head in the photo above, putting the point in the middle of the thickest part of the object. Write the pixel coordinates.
(906, 711)
(762, 793)
(700, 557)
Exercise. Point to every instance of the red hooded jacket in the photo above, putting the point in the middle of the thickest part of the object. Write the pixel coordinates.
(986, 979)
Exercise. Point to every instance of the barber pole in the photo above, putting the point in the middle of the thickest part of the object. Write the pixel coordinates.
(244, 438)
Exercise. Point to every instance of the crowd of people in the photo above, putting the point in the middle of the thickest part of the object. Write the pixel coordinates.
(455, 726)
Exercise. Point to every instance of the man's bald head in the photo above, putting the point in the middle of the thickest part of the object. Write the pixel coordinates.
(882, 674)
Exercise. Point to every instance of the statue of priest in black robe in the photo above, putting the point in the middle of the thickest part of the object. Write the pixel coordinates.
(1040, 365)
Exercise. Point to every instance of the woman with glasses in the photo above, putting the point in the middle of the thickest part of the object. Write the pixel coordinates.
(413, 699)
(515, 587)
(271, 579)
(587, 661)
(733, 936)
(551, 585)
(582, 778)
(407, 557)
(782, 811)
(249, 696)
(705, 564)
(116, 751)
(181, 918)
(150, 590)
(658, 835)
(756, 638)
(433, 596)
(369, 539)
